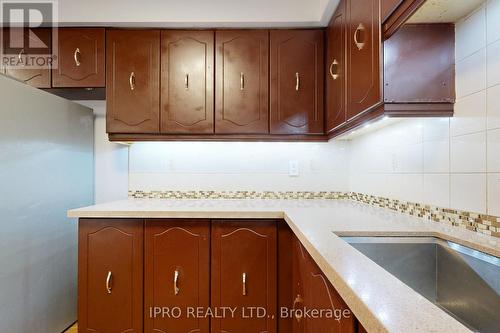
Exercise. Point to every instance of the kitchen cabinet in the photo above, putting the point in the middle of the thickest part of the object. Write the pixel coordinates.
(364, 82)
(187, 81)
(312, 290)
(410, 74)
(177, 273)
(80, 58)
(336, 69)
(242, 82)
(296, 66)
(28, 55)
(395, 13)
(133, 81)
(244, 274)
(110, 272)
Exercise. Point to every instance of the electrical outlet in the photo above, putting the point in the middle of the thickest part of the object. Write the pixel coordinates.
(293, 168)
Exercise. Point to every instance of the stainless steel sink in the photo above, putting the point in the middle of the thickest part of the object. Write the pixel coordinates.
(460, 280)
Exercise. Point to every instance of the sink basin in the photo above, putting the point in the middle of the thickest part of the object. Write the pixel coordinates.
(462, 281)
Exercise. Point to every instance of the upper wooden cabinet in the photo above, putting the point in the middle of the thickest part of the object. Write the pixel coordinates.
(187, 82)
(242, 81)
(133, 81)
(297, 58)
(244, 265)
(29, 63)
(410, 74)
(80, 58)
(364, 81)
(177, 273)
(336, 69)
(110, 273)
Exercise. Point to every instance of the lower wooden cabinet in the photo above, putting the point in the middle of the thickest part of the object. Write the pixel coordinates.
(244, 264)
(134, 274)
(177, 274)
(110, 271)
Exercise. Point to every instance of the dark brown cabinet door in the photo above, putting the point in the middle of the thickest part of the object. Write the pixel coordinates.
(28, 55)
(297, 81)
(244, 275)
(80, 58)
(314, 291)
(177, 269)
(364, 45)
(133, 81)
(110, 270)
(336, 69)
(242, 82)
(187, 81)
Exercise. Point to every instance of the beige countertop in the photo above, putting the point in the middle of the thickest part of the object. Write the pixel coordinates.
(380, 301)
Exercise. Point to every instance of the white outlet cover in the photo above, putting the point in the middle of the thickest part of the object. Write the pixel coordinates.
(293, 168)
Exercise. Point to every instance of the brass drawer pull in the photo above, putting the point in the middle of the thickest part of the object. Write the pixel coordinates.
(186, 81)
(77, 56)
(131, 81)
(298, 299)
(244, 280)
(242, 81)
(109, 282)
(297, 81)
(176, 279)
(335, 75)
(359, 45)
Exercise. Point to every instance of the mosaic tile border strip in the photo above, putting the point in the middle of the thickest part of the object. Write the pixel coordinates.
(485, 224)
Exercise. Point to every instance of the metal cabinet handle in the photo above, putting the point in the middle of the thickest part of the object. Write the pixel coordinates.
(360, 45)
(298, 299)
(297, 81)
(176, 279)
(76, 56)
(186, 81)
(131, 81)
(242, 81)
(244, 280)
(335, 63)
(19, 57)
(108, 282)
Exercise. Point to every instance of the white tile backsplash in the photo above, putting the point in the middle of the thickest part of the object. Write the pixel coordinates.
(468, 153)
(494, 194)
(470, 114)
(471, 74)
(494, 151)
(437, 156)
(493, 21)
(437, 190)
(493, 61)
(468, 192)
(493, 107)
(471, 34)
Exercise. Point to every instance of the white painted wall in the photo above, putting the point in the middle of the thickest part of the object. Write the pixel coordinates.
(167, 13)
(446, 162)
(110, 159)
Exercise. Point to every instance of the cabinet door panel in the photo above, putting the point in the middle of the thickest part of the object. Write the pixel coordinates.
(336, 70)
(317, 293)
(132, 81)
(81, 60)
(242, 82)
(23, 56)
(177, 257)
(187, 81)
(244, 275)
(297, 81)
(110, 276)
(364, 40)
